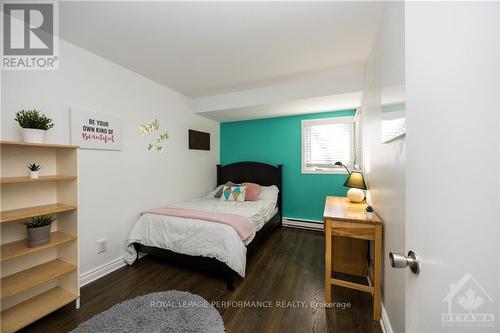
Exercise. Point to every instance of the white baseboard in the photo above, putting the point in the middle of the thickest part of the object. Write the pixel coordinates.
(385, 324)
(302, 224)
(99, 272)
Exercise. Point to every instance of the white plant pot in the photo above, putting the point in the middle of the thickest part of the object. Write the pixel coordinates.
(33, 135)
(369, 215)
(34, 174)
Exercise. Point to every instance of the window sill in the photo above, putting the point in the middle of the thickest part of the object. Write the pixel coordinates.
(324, 171)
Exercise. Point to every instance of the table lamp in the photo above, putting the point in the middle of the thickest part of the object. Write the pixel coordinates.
(356, 184)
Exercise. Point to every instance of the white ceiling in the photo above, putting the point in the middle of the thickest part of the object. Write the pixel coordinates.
(208, 48)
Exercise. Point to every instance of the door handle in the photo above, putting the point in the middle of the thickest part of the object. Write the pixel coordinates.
(401, 261)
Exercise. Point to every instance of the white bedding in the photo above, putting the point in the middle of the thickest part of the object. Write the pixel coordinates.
(202, 238)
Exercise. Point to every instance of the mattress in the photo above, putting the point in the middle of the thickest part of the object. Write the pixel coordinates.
(202, 238)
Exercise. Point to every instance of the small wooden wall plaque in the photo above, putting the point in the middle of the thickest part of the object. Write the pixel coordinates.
(199, 140)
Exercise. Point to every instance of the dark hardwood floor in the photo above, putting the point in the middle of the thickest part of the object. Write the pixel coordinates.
(288, 267)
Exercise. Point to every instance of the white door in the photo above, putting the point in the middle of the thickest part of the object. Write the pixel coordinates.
(452, 180)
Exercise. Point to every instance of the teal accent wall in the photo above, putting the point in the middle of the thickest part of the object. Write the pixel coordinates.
(278, 141)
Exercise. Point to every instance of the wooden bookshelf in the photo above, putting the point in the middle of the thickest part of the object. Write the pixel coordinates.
(17, 180)
(29, 278)
(24, 313)
(37, 280)
(28, 212)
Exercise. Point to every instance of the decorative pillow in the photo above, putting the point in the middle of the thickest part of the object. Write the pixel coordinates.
(253, 191)
(233, 193)
(218, 194)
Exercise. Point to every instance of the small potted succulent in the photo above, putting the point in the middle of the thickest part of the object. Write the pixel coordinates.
(34, 125)
(39, 230)
(34, 170)
(369, 211)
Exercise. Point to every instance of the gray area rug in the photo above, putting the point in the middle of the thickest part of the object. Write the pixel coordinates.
(169, 311)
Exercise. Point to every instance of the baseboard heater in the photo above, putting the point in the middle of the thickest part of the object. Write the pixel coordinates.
(302, 224)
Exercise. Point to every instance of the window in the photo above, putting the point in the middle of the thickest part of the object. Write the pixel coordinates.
(326, 141)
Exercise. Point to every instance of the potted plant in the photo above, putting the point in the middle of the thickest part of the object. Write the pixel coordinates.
(34, 125)
(39, 230)
(369, 211)
(34, 170)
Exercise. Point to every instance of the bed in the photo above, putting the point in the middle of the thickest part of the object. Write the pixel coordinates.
(215, 247)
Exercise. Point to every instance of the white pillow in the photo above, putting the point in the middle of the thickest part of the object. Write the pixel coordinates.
(214, 192)
(269, 193)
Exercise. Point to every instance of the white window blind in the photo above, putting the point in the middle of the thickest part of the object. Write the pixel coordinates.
(326, 141)
(358, 140)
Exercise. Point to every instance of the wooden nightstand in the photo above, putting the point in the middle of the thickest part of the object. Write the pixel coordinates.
(346, 219)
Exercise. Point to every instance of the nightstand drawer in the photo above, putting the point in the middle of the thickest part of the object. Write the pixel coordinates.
(353, 230)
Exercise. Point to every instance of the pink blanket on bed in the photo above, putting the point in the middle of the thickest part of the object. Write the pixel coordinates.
(240, 223)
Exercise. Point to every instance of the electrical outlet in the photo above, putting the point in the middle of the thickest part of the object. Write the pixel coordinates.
(102, 245)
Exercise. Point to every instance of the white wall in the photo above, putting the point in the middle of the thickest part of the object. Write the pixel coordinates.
(453, 171)
(384, 164)
(115, 185)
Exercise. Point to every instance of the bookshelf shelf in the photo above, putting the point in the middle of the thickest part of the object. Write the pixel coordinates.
(28, 212)
(18, 180)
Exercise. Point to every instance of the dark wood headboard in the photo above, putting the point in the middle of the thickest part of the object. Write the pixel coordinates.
(252, 172)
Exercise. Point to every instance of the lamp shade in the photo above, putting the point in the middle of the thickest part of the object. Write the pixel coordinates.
(356, 180)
